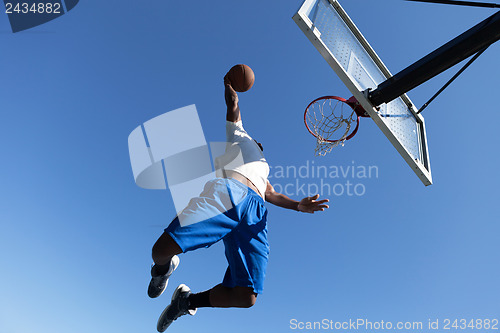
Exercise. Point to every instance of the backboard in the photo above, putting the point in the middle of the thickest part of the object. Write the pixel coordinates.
(339, 41)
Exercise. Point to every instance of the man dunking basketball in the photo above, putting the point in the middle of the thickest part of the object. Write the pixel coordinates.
(237, 198)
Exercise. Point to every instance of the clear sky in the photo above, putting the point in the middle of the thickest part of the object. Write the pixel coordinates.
(77, 232)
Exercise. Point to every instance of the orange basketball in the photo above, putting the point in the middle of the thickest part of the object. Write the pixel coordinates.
(241, 77)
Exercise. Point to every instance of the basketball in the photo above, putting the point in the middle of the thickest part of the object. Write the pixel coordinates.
(241, 77)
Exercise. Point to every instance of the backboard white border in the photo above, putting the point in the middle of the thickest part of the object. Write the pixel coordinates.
(422, 167)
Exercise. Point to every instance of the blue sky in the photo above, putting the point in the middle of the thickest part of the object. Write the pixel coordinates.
(77, 232)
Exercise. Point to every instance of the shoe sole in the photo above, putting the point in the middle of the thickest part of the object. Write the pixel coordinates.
(180, 289)
(175, 260)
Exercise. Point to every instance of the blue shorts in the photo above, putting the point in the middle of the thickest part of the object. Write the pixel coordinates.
(233, 212)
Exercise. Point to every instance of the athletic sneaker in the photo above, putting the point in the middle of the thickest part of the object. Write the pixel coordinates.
(178, 307)
(159, 282)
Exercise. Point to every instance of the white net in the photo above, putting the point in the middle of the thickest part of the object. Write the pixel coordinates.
(330, 120)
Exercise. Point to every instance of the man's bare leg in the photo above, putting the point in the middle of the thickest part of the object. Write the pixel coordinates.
(184, 302)
(163, 254)
(219, 296)
(237, 297)
(224, 297)
(164, 249)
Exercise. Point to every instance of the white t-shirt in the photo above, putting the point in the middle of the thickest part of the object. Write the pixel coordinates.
(244, 156)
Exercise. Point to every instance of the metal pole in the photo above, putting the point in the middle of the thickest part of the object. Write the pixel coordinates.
(470, 42)
(452, 79)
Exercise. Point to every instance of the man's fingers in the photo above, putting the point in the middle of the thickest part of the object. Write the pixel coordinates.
(322, 201)
(318, 208)
(315, 197)
(310, 205)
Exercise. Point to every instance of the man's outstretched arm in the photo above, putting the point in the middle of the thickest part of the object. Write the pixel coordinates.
(306, 205)
(233, 109)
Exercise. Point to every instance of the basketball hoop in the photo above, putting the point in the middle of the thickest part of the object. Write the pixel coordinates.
(330, 119)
